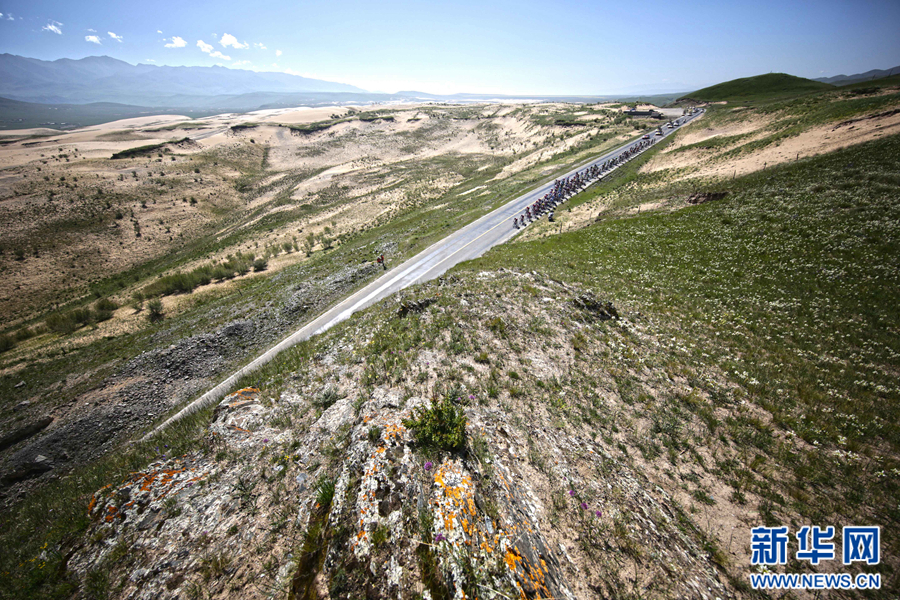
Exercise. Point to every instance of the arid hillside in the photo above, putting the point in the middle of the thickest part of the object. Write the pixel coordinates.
(702, 343)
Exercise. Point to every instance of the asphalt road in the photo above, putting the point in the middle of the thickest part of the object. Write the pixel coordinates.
(467, 243)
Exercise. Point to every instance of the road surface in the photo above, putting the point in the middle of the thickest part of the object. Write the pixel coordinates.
(470, 242)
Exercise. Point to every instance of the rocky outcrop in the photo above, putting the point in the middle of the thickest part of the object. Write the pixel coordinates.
(324, 488)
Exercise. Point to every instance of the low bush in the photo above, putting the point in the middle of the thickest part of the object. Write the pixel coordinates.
(105, 304)
(24, 334)
(441, 426)
(62, 323)
(155, 307)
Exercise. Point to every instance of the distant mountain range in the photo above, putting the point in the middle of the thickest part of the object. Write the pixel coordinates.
(105, 79)
(868, 75)
(68, 93)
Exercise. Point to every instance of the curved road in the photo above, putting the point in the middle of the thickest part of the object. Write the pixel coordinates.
(470, 242)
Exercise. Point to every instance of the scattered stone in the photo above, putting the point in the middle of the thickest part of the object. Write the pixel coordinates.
(603, 310)
(23, 433)
(27, 470)
(415, 306)
(701, 197)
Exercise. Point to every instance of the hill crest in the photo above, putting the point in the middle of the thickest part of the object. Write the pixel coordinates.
(771, 86)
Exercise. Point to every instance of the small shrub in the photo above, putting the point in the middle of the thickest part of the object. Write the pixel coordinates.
(106, 304)
(327, 398)
(83, 316)
(155, 307)
(482, 358)
(222, 272)
(380, 535)
(24, 334)
(6, 343)
(580, 343)
(441, 426)
(62, 323)
(374, 434)
(260, 264)
(324, 491)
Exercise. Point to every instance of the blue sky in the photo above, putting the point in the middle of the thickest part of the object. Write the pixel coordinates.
(521, 47)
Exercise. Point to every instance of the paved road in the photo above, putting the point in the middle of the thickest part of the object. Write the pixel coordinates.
(470, 242)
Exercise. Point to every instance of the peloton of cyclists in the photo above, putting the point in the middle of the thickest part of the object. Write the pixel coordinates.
(563, 189)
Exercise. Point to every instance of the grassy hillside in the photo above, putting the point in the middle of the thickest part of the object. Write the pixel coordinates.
(785, 292)
(761, 88)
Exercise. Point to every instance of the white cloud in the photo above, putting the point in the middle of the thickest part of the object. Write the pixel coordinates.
(159, 31)
(92, 30)
(8, 17)
(260, 46)
(92, 39)
(240, 63)
(53, 27)
(118, 38)
(176, 42)
(209, 50)
(230, 40)
(150, 60)
(278, 53)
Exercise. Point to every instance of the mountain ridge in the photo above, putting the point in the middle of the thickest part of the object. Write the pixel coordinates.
(858, 77)
(107, 79)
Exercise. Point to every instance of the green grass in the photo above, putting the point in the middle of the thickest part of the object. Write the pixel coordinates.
(761, 88)
(790, 286)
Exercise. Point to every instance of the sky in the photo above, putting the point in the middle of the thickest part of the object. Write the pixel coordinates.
(505, 47)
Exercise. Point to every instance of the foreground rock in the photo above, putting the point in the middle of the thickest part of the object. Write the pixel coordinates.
(323, 490)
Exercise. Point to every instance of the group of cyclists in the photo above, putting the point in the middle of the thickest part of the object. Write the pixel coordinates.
(563, 189)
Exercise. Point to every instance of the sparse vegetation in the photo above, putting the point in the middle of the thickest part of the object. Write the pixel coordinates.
(751, 372)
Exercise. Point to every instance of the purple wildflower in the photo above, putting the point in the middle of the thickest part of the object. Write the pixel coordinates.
(584, 506)
(598, 513)
(428, 465)
(439, 537)
(265, 440)
(572, 493)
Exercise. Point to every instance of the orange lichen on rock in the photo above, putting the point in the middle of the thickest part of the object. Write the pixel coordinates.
(512, 557)
(111, 513)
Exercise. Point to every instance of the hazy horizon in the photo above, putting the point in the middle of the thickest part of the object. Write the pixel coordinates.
(525, 48)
